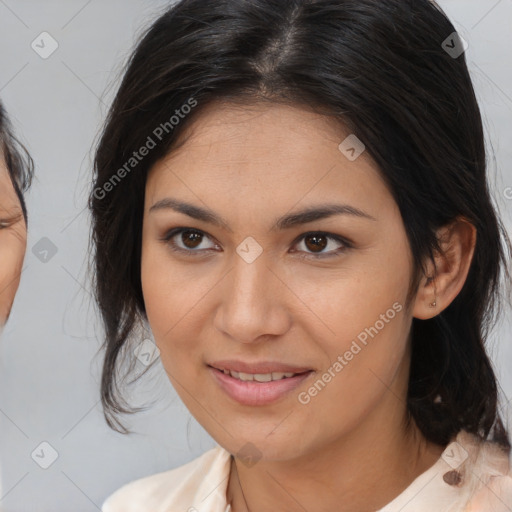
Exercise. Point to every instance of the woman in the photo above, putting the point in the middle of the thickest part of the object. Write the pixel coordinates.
(292, 196)
(16, 169)
(16, 172)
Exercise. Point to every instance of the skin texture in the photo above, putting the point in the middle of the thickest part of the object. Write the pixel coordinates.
(251, 166)
(13, 243)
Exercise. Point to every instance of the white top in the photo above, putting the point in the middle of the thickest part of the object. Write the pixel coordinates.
(200, 486)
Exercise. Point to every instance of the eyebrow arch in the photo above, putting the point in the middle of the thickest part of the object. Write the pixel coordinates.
(309, 214)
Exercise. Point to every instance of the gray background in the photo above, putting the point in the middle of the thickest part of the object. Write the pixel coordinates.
(49, 361)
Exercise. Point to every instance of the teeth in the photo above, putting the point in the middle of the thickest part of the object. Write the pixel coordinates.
(258, 377)
(263, 377)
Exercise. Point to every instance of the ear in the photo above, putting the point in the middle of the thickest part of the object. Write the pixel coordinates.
(445, 280)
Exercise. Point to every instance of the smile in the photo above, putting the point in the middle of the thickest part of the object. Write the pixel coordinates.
(259, 377)
(257, 389)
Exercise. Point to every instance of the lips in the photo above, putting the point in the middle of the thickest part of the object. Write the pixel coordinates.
(257, 383)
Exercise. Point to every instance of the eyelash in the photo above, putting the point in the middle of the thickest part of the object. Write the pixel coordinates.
(194, 253)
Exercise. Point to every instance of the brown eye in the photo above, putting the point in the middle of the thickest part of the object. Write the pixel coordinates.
(191, 239)
(186, 240)
(316, 243)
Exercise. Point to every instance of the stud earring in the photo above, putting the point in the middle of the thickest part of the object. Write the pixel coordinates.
(433, 304)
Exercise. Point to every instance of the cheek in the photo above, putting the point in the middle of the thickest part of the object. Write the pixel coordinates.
(358, 376)
(369, 359)
(363, 303)
(362, 328)
(12, 251)
(159, 292)
(172, 302)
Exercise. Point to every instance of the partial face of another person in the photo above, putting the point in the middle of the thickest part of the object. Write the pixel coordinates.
(289, 297)
(13, 242)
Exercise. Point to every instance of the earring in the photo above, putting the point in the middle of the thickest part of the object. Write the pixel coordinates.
(433, 304)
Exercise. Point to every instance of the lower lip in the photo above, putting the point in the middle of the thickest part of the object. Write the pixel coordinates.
(257, 393)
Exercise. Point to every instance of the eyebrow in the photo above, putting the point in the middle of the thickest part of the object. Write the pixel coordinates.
(309, 214)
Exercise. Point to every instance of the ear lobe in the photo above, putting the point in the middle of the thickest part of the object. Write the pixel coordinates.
(448, 273)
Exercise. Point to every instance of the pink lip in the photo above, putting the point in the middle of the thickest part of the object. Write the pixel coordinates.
(257, 393)
(263, 367)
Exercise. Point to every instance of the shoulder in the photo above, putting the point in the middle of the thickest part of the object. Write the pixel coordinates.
(177, 489)
(494, 496)
(489, 476)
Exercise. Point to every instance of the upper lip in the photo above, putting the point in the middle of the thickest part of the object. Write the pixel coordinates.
(261, 367)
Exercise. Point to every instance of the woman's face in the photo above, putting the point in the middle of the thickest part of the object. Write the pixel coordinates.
(322, 296)
(13, 242)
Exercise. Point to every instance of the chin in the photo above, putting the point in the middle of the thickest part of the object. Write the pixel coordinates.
(260, 446)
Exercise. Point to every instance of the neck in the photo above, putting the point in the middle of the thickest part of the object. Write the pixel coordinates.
(342, 475)
(360, 471)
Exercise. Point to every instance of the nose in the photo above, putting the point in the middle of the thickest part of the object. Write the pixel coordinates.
(254, 303)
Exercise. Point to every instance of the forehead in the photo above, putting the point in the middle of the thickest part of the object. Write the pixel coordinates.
(271, 126)
(262, 140)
